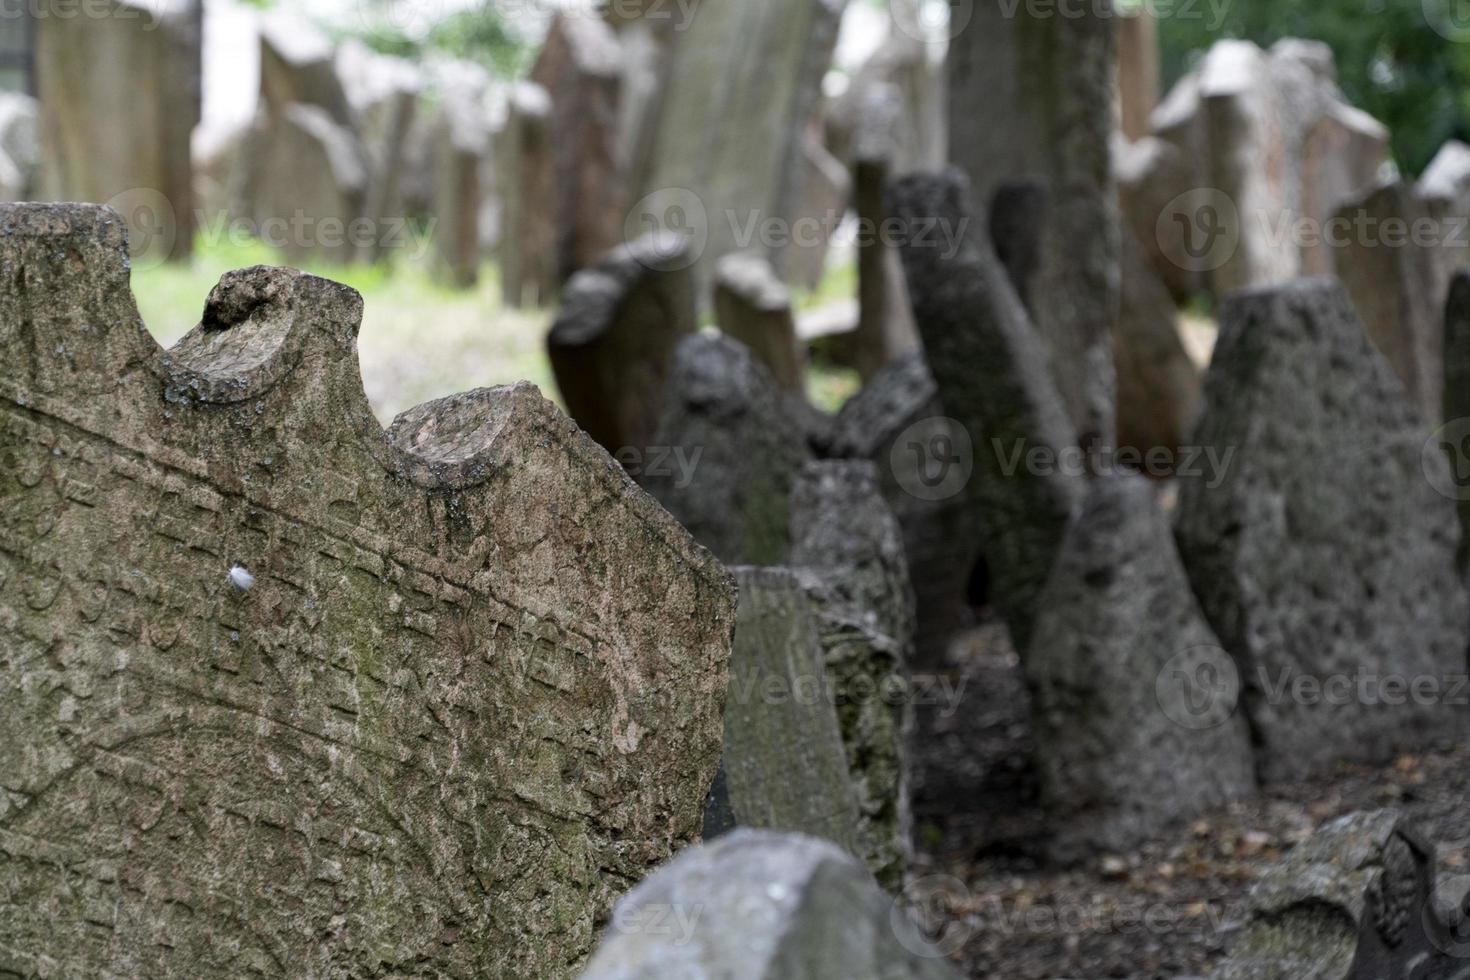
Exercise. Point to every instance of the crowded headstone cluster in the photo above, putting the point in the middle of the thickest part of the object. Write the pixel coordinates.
(629, 690)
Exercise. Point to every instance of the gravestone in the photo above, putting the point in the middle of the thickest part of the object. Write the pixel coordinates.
(1395, 285)
(613, 341)
(753, 305)
(1453, 438)
(1307, 913)
(1047, 83)
(1138, 70)
(20, 146)
(730, 136)
(280, 687)
(528, 242)
(119, 98)
(580, 68)
(991, 369)
(1122, 757)
(298, 66)
(1445, 189)
(784, 766)
(384, 94)
(1017, 214)
(821, 193)
(763, 906)
(725, 452)
(461, 143)
(1302, 576)
(885, 330)
(1344, 154)
(847, 549)
(893, 422)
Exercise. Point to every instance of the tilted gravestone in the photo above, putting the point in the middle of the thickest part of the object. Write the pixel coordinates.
(897, 422)
(528, 240)
(119, 97)
(784, 766)
(461, 142)
(1321, 550)
(885, 331)
(993, 378)
(763, 906)
(612, 344)
(753, 305)
(580, 67)
(847, 549)
(725, 452)
(1128, 737)
(281, 688)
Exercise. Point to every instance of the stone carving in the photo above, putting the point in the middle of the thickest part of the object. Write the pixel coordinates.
(763, 906)
(280, 688)
(1303, 576)
(991, 369)
(1121, 756)
(613, 341)
(754, 306)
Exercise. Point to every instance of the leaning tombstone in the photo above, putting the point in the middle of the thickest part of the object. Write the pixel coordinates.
(993, 378)
(266, 662)
(725, 452)
(1121, 756)
(1328, 597)
(784, 766)
(753, 305)
(763, 906)
(461, 141)
(613, 341)
(847, 549)
(528, 239)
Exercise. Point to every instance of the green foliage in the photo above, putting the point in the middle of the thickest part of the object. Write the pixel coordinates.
(1394, 58)
(479, 33)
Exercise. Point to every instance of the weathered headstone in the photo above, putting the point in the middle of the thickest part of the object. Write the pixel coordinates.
(580, 69)
(1445, 189)
(885, 330)
(279, 687)
(1318, 908)
(784, 766)
(298, 66)
(725, 454)
(893, 422)
(462, 142)
(1138, 70)
(612, 344)
(528, 242)
(993, 379)
(1121, 757)
(383, 93)
(1343, 156)
(847, 548)
(1016, 217)
(822, 191)
(753, 305)
(1046, 83)
(762, 906)
(119, 97)
(1324, 591)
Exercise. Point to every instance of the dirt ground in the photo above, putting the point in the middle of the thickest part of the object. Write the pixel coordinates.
(1168, 911)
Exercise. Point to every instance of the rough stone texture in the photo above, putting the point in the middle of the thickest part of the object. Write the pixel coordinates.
(20, 146)
(119, 99)
(528, 243)
(1397, 287)
(991, 370)
(941, 536)
(1121, 757)
(732, 136)
(613, 341)
(384, 94)
(1047, 85)
(885, 330)
(847, 548)
(280, 691)
(785, 766)
(763, 906)
(1138, 70)
(1457, 400)
(754, 306)
(1415, 921)
(1158, 384)
(461, 143)
(580, 67)
(1307, 912)
(727, 421)
(1300, 573)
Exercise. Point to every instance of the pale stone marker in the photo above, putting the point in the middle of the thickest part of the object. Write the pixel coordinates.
(461, 143)
(283, 691)
(1322, 549)
(528, 241)
(753, 305)
(1158, 383)
(1138, 70)
(384, 94)
(613, 342)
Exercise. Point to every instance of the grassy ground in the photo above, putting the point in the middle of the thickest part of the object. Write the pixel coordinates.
(419, 339)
